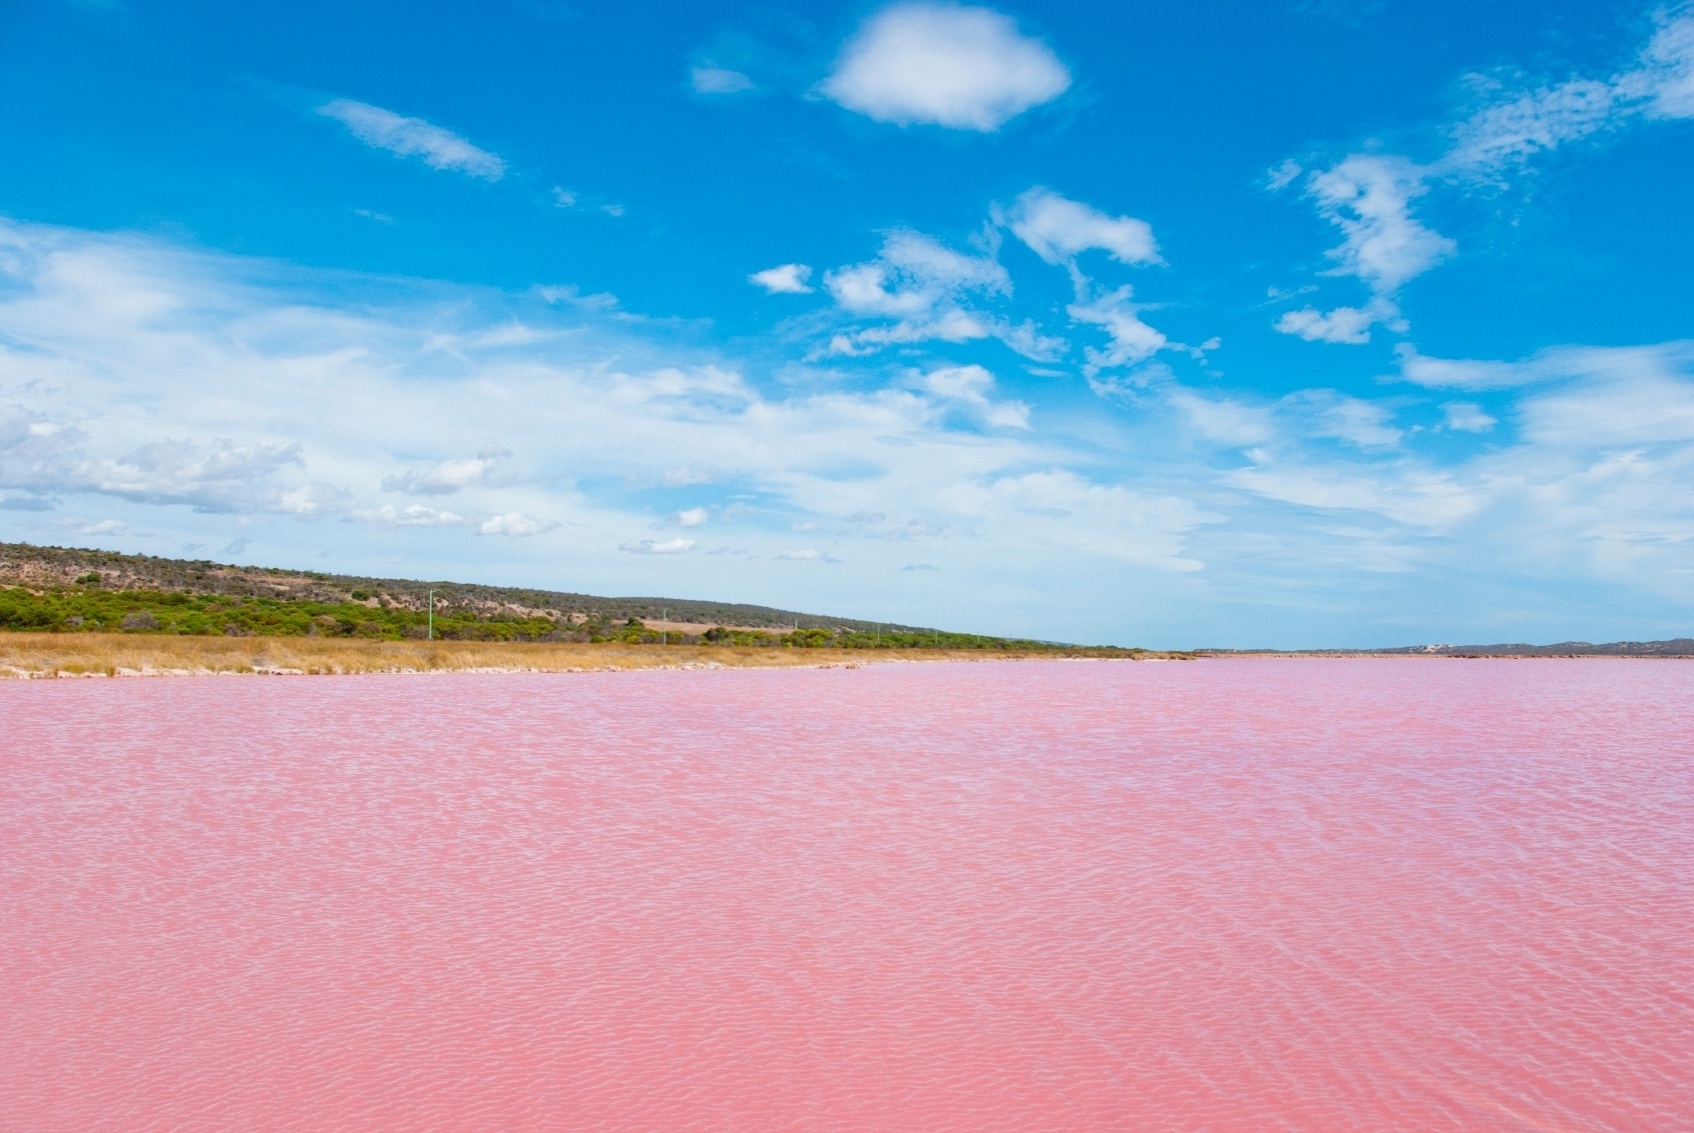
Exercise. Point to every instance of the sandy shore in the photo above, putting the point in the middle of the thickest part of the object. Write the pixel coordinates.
(124, 655)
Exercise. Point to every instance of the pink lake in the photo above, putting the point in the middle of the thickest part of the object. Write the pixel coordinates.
(1350, 895)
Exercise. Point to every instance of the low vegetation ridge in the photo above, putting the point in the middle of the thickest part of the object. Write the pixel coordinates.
(1673, 647)
(68, 590)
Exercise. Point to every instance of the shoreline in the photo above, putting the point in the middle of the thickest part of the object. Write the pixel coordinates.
(56, 656)
(1366, 655)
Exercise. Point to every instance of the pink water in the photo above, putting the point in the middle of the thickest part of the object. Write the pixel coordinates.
(1231, 895)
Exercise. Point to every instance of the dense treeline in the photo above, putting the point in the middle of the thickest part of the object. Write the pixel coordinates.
(91, 608)
(88, 607)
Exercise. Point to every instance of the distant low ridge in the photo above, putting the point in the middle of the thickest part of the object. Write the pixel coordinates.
(1672, 647)
(63, 589)
(30, 565)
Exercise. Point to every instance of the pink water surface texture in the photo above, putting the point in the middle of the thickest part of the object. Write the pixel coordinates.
(1230, 895)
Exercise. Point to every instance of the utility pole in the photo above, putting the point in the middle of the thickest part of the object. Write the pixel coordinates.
(432, 615)
(664, 616)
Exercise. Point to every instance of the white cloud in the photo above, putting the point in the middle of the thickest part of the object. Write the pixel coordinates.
(684, 476)
(515, 523)
(1471, 374)
(784, 279)
(1344, 324)
(1132, 341)
(1617, 397)
(707, 79)
(1510, 127)
(912, 276)
(947, 65)
(413, 137)
(1224, 420)
(414, 515)
(1369, 198)
(808, 555)
(970, 386)
(690, 517)
(1467, 417)
(563, 198)
(923, 285)
(1284, 175)
(1057, 229)
(1519, 127)
(1593, 488)
(1666, 72)
(1326, 413)
(286, 403)
(448, 476)
(212, 475)
(667, 547)
(104, 527)
(1076, 516)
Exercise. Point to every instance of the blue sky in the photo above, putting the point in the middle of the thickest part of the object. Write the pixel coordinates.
(1321, 323)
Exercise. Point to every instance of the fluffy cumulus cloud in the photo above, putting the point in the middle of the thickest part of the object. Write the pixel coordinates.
(1344, 324)
(930, 292)
(948, 65)
(413, 137)
(1057, 229)
(784, 279)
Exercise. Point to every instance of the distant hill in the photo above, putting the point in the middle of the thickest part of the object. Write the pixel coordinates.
(28, 565)
(1674, 647)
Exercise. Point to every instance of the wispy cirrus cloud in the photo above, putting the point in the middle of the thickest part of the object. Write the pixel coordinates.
(1371, 197)
(413, 137)
(708, 78)
(1511, 126)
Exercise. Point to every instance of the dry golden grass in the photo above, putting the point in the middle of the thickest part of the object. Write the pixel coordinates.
(112, 654)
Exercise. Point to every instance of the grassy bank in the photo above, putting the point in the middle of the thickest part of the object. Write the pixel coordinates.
(124, 654)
